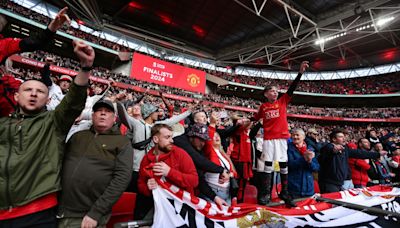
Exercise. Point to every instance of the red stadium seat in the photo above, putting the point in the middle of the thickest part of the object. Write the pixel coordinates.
(250, 194)
(123, 210)
(316, 187)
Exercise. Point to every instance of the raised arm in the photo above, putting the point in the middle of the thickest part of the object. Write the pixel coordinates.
(293, 86)
(125, 118)
(74, 102)
(175, 119)
(254, 130)
(46, 75)
(35, 43)
(362, 154)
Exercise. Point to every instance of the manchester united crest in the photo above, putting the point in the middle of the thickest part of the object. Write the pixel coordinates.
(193, 80)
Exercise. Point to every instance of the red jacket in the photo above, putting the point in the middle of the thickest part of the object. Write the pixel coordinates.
(359, 170)
(8, 46)
(182, 174)
(212, 155)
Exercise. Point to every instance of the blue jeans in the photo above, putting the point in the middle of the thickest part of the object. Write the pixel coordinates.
(221, 193)
(347, 184)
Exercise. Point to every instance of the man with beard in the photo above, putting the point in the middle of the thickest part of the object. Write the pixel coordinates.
(165, 160)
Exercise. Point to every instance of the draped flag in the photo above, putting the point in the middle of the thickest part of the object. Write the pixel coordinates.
(177, 208)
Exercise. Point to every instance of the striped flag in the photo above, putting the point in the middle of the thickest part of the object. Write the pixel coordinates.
(177, 208)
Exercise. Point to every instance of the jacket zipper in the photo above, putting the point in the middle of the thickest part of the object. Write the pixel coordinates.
(20, 137)
(7, 172)
(84, 153)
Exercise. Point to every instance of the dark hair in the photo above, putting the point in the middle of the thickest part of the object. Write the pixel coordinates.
(156, 128)
(360, 140)
(269, 87)
(334, 133)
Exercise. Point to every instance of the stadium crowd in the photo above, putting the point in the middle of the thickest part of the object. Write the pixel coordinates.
(389, 83)
(104, 73)
(108, 140)
(15, 8)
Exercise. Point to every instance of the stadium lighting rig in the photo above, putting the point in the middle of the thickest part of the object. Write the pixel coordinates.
(378, 23)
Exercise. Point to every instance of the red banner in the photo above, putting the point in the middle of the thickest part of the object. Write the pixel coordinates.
(53, 68)
(32, 62)
(153, 70)
(62, 70)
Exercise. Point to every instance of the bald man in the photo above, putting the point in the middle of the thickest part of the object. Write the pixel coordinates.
(9, 46)
(31, 148)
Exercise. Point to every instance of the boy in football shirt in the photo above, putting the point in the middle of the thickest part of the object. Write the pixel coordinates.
(276, 132)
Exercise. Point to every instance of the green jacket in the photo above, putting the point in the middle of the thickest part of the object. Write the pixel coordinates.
(97, 169)
(31, 150)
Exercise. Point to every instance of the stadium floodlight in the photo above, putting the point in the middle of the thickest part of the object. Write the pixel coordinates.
(385, 20)
(364, 27)
(323, 40)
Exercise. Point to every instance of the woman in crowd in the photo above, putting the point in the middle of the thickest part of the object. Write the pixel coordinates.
(215, 153)
(302, 163)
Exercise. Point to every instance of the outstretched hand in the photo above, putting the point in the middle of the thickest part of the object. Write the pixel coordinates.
(303, 67)
(59, 20)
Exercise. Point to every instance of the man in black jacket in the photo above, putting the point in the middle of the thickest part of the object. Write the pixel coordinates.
(193, 142)
(334, 163)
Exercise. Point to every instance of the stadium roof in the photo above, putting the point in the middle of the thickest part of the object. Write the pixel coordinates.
(274, 34)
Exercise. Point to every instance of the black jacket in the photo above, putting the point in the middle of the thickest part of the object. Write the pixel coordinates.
(334, 166)
(254, 152)
(225, 134)
(313, 144)
(202, 164)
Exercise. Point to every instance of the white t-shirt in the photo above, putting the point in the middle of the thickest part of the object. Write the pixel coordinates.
(55, 95)
(213, 178)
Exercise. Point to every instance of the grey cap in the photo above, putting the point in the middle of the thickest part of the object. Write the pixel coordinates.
(148, 109)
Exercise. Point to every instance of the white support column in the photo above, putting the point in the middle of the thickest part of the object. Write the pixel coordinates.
(295, 11)
(269, 56)
(241, 58)
(258, 11)
(294, 32)
(373, 20)
(321, 44)
(342, 52)
(248, 57)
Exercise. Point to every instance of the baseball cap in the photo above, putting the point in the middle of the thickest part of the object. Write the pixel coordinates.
(103, 103)
(199, 130)
(65, 78)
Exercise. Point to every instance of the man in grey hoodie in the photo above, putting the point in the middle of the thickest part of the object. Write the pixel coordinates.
(140, 130)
